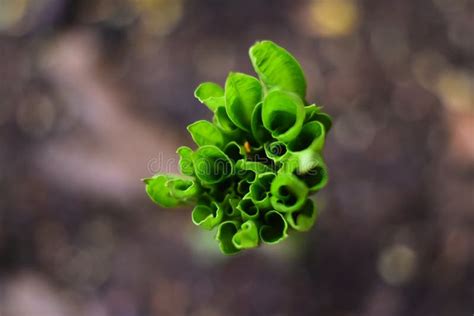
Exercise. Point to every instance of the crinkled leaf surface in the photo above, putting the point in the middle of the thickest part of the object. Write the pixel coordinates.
(277, 68)
(205, 133)
(242, 94)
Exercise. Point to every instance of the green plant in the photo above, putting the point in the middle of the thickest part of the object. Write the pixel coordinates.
(258, 161)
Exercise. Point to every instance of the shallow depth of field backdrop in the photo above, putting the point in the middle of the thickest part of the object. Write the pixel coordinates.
(96, 94)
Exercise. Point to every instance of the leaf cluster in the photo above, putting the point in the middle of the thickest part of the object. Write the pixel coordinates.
(259, 160)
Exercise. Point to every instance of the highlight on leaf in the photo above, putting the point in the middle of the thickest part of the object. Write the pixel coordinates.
(316, 177)
(277, 68)
(211, 94)
(257, 163)
(205, 133)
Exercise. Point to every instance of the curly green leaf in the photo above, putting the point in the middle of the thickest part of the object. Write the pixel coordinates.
(283, 115)
(242, 93)
(277, 68)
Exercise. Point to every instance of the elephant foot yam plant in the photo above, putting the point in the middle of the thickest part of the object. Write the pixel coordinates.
(259, 160)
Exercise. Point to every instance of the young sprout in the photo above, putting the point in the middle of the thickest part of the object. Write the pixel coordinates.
(259, 160)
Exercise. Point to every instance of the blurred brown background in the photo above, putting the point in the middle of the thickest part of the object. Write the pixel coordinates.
(96, 94)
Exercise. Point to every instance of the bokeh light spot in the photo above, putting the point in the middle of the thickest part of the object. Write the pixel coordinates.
(11, 13)
(159, 17)
(396, 264)
(456, 90)
(333, 18)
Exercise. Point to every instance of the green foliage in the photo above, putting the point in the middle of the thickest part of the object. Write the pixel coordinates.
(283, 114)
(206, 133)
(259, 160)
(288, 193)
(211, 165)
(277, 68)
(171, 190)
(242, 93)
(211, 94)
(207, 216)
